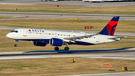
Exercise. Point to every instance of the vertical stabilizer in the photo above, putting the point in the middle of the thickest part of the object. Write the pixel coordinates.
(109, 29)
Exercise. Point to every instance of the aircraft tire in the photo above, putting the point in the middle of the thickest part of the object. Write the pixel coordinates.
(15, 45)
(66, 48)
(56, 48)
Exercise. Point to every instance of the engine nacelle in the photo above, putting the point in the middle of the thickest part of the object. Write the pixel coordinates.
(56, 42)
(39, 43)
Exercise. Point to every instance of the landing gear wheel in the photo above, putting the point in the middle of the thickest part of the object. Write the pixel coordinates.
(15, 45)
(56, 48)
(66, 48)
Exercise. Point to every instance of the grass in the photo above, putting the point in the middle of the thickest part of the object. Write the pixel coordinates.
(1, 17)
(7, 45)
(127, 10)
(61, 66)
(7, 17)
(69, 24)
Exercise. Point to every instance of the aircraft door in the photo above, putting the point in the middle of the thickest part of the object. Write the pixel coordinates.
(55, 34)
(97, 38)
(24, 32)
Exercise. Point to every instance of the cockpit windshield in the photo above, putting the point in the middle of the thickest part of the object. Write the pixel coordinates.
(14, 31)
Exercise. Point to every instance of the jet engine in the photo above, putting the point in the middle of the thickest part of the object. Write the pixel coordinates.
(56, 42)
(39, 43)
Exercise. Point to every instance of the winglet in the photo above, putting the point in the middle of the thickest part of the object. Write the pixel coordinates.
(109, 29)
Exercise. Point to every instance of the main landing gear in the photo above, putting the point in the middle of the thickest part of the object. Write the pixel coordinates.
(66, 48)
(16, 43)
(56, 48)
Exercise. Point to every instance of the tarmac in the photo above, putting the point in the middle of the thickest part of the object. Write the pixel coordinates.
(118, 53)
(84, 4)
(108, 74)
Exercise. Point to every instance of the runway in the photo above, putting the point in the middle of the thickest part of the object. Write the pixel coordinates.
(108, 74)
(119, 53)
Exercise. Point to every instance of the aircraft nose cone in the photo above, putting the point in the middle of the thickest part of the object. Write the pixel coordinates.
(9, 35)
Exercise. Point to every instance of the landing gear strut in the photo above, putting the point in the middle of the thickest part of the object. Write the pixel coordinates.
(66, 48)
(16, 43)
(56, 48)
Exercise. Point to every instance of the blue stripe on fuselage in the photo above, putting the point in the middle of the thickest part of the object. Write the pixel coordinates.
(83, 43)
(47, 41)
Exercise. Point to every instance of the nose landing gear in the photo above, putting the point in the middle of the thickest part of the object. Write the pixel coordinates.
(16, 43)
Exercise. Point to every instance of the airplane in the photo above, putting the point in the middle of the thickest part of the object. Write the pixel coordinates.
(42, 37)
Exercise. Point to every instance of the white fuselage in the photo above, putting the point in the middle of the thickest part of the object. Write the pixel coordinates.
(29, 34)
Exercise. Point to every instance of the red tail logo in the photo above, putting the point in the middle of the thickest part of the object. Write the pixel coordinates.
(109, 29)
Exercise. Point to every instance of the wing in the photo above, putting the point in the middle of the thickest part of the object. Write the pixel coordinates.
(79, 37)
